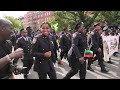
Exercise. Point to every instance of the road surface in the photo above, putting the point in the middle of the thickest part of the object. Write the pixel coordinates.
(61, 70)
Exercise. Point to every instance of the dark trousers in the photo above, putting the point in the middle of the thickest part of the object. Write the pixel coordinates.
(27, 62)
(75, 67)
(51, 74)
(55, 51)
(90, 61)
(100, 60)
(99, 56)
(63, 54)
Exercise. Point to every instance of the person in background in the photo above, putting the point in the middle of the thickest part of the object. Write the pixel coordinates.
(25, 42)
(76, 53)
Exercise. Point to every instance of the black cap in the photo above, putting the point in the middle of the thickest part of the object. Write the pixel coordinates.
(21, 29)
(97, 24)
(79, 25)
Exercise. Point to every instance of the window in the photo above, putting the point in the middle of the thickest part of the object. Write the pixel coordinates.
(45, 19)
(49, 13)
(41, 15)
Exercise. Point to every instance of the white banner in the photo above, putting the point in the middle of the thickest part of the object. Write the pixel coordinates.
(110, 45)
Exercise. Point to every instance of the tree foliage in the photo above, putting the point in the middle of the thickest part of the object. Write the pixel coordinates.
(16, 23)
(112, 17)
(70, 18)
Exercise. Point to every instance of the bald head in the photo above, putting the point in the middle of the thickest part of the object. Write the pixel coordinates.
(5, 29)
(4, 21)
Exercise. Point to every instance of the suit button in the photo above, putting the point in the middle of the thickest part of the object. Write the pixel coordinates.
(40, 62)
(43, 49)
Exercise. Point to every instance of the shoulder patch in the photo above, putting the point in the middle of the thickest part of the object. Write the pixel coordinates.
(60, 36)
(34, 40)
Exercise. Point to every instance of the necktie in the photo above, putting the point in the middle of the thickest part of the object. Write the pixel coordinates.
(26, 39)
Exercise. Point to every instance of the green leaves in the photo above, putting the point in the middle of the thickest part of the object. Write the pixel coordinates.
(16, 23)
(70, 18)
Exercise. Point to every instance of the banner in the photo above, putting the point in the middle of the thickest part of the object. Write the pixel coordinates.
(110, 45)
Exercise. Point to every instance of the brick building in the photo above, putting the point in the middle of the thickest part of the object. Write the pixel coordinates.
(35, 18)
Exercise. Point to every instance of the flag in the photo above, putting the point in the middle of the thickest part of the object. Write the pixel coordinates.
(55, 26)
(88, 54)
(58, 57)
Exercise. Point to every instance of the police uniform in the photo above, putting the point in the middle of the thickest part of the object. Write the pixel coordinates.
(43, 65)
(13, 40)
(98, 43)
(26, 44)
(55, 45)
(5, 48)
(69, 35)
(79, 44)
(64, 45)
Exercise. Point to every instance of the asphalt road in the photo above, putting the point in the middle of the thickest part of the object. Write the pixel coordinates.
(61, 70)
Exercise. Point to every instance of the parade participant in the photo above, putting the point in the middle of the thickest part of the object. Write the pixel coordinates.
(13, 39)
(54, 42)
(25, 43)
(30, 32)
(108, 33)
(89, 45)
(98, 47)
(6, 54)
(43, 53)
(76, 53)
(65, 44)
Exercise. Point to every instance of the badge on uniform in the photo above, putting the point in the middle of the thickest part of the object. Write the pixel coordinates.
(52, 43)
(34, 40)
(17, 41)
(74, 35)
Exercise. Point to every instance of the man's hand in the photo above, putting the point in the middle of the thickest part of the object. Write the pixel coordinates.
(99, 50)
(17, 53)
(47, 54)
(81, 60)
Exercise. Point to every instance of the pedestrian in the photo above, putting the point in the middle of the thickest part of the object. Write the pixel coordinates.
(6, 54)
(76, 53)
(25, 42)
(43, 53)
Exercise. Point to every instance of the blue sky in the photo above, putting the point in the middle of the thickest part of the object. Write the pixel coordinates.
(15, 14)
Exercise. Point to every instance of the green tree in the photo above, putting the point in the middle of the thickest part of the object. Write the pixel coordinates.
(70, 18)
(112, 17)
(16, 23)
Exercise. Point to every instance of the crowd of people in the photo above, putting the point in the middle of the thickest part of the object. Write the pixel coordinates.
(40, 49)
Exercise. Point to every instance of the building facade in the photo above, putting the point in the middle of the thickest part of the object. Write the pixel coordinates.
(35, 18)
